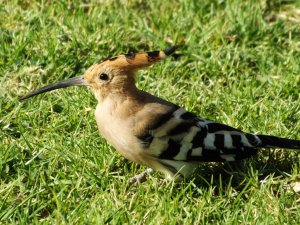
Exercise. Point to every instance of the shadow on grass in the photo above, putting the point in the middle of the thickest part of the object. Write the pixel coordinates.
(239, 175)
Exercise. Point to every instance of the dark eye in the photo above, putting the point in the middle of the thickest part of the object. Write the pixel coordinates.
(103, 76)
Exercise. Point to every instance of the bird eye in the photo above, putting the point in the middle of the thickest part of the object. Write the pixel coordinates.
(103, 76)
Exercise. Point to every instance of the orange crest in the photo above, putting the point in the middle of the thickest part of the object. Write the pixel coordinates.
(132, 61)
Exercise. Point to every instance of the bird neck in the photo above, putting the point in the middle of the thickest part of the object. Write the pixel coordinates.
(121, 104)
(120, 92)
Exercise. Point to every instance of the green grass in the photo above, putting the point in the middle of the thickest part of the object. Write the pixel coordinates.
(240, 65)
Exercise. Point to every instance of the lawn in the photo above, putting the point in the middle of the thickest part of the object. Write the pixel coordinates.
(239, 64)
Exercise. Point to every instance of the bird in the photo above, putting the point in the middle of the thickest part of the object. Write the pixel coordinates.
(156, 133)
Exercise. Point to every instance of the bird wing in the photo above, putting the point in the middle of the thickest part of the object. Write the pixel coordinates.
(182, 136)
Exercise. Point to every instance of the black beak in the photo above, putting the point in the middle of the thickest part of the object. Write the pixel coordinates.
(74, 81)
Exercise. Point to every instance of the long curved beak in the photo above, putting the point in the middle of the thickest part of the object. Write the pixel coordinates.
(74, 81)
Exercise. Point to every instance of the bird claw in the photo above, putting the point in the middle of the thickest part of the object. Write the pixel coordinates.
(141, 177)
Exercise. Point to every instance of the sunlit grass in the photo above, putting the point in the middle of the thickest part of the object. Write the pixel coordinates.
(240, 65)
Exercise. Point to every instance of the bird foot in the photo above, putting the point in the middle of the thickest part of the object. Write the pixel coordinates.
(141, 177)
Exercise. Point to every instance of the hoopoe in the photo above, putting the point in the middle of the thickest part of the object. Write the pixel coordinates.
(154, 132)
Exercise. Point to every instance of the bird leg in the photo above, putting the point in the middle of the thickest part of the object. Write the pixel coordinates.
(141, 177)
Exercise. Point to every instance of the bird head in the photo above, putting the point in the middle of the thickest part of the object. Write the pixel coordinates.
(112, 75)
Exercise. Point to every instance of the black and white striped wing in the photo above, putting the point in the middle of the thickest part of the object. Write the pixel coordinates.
(180, 140)
(182, 136)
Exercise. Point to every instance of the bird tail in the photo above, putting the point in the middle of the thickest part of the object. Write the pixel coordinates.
(268, 141)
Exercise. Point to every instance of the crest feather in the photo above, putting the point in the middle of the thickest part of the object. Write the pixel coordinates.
(132, 61)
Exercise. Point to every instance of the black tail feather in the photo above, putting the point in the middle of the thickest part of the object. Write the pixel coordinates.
(277, 142)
